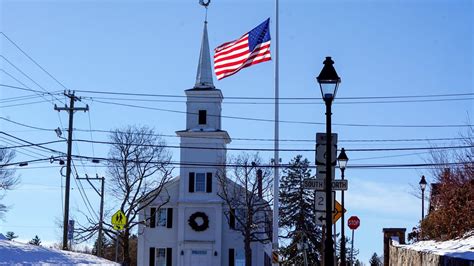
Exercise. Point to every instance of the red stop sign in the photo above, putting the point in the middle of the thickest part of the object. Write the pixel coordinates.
(353, 222)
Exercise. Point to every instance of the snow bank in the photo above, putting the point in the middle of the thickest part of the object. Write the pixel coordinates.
(462, 248)
(15, 253)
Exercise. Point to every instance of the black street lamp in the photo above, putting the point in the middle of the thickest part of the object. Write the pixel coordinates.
(342, 159)
(328, 82)
(423, 186)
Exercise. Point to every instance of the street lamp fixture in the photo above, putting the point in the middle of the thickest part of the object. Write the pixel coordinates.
(423, 183)
(328, 82)
(342, 160)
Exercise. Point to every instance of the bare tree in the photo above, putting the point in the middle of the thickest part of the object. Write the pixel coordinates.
(138, 169)
(452, 200)
(246, 190)
(8, 180)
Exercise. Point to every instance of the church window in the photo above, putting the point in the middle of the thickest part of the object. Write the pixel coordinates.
(202, 117)
(200, 182)
(162, 215)
(163, 257)
(160, 257)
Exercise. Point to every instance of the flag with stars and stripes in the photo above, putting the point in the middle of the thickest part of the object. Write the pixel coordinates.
(250, 49)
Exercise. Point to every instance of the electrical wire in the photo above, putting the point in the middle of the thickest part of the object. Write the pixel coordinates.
(27, 76)
(272, 98)
(204, 164)
(281, 103)
(271, 149)
(83, 194)
(248, 139)
(286, 121)
(34, 61)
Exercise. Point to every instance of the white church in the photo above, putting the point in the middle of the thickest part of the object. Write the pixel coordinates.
(192, 229)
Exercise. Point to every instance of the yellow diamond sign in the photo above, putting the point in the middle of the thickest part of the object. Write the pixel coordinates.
(119, 220)
(337, 213)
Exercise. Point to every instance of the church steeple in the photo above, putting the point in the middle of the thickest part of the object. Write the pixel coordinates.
(204, 71)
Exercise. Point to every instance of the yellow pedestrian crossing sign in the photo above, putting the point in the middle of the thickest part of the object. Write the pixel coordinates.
(119, 220)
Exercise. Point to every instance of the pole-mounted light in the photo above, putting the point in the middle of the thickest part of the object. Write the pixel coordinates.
(328, 83)
(342, 159)
(328, 80)
(423, 183)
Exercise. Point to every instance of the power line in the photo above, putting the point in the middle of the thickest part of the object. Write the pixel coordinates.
(24, 74)
(287, 121)
(271, 149)
(34, 145)
(34, 61)
(283, 103)
(280, 98)
(20, 104)
(248, 139)
(31, 143)
(204, 164)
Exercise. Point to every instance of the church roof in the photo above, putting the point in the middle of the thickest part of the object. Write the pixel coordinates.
(204, 71)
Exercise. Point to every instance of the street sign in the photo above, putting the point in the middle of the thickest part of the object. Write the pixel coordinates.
(321, 142)
(320, 200)
(321, 138)
(353, 222)
(319, 184)
(70, 230)
(119, 220)
(336, 214)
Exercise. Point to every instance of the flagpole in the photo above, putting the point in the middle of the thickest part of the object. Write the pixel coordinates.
(276, 180)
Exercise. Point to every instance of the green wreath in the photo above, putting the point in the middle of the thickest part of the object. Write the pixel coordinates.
(198, 227)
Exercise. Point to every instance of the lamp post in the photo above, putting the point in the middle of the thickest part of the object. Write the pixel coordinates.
(328, 82)
(342, 159)
(423, 186)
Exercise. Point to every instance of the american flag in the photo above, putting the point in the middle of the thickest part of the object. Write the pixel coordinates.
(250, 49)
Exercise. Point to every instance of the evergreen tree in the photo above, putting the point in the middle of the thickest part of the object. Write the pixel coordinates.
(35, 241)
(10, 235)
(105, 244)
(297, 213)
(375, 260)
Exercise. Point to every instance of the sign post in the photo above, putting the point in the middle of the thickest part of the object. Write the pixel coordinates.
(353, 224)
(119, 220)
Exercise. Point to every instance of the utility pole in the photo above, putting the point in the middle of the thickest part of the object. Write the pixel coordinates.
(71, 109)
(101, 214)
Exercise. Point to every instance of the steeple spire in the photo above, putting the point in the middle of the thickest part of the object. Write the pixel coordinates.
(204, 71)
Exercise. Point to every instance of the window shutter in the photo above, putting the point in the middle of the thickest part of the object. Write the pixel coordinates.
(169, 218)
(152, 217)
(169, 258)
(231, 257)
(232, 219)
(152, 257)
(191, 182)
(208, 182)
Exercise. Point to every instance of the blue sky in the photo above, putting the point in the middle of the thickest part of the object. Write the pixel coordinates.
(380, 48)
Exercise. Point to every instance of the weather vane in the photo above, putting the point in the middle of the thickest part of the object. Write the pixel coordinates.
(205, 3)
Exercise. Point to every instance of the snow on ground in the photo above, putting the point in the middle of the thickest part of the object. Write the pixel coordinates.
(15, 253)
(458, 248)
